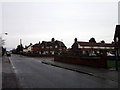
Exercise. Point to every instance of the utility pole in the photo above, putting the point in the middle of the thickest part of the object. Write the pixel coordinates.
(20, 45)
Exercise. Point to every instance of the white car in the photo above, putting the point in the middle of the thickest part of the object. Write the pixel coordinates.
(109, 54)
(8, 53)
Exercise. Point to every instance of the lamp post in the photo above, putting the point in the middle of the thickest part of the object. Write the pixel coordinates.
(1, 40)
(21, 48)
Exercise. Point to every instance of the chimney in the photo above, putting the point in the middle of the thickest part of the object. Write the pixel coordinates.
(52, 39)
(75, 40)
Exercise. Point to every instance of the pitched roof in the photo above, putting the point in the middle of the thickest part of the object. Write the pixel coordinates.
(36, 45)
(95, 44)
(46, 43)
(60, 43)
(28, 46)
(50, 43)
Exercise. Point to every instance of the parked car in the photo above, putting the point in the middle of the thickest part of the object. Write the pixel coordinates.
(8, 53)
(109, 54)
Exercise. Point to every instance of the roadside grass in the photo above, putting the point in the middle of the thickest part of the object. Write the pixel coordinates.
(111, 63)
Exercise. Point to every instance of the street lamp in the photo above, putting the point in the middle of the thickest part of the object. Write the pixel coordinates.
(1, 40)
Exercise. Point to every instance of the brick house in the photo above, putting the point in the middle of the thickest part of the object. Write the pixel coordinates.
(87, 53)
(48, 47)
(36, 48)
(92, 49)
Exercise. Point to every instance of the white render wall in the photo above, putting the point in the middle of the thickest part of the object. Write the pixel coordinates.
(28, 49)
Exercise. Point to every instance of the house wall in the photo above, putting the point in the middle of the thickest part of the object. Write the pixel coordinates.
(34, 49)
(46, 50)
(76, 47)
(25, 50)
(29, 48)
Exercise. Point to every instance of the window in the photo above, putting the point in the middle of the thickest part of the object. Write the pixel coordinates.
(39, 52)
(116, 39)
(96, 47)
(107, 47)
(79, 46)
(52, 52)
(102, 47)
(46, 52)
(98, 51)
(87, 47)
(47, 47)
(56, 46)
(84, 52)
(112, 48)
(50, 46)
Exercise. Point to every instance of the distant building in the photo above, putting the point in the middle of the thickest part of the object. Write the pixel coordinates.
(28, 48)
(48, 47)
(87, 53)
(52, 47)
(36, 48)
(91, 49)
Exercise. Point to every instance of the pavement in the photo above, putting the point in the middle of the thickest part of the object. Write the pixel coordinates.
(109, 74)
(9, 79)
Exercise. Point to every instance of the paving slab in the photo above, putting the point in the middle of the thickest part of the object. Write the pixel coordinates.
(9, 79)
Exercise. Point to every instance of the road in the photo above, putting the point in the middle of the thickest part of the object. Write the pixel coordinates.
(31, 73)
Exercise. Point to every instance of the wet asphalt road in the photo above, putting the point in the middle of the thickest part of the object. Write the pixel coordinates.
(34, 74)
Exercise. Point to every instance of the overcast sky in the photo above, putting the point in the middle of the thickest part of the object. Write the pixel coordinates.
(64, 20)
